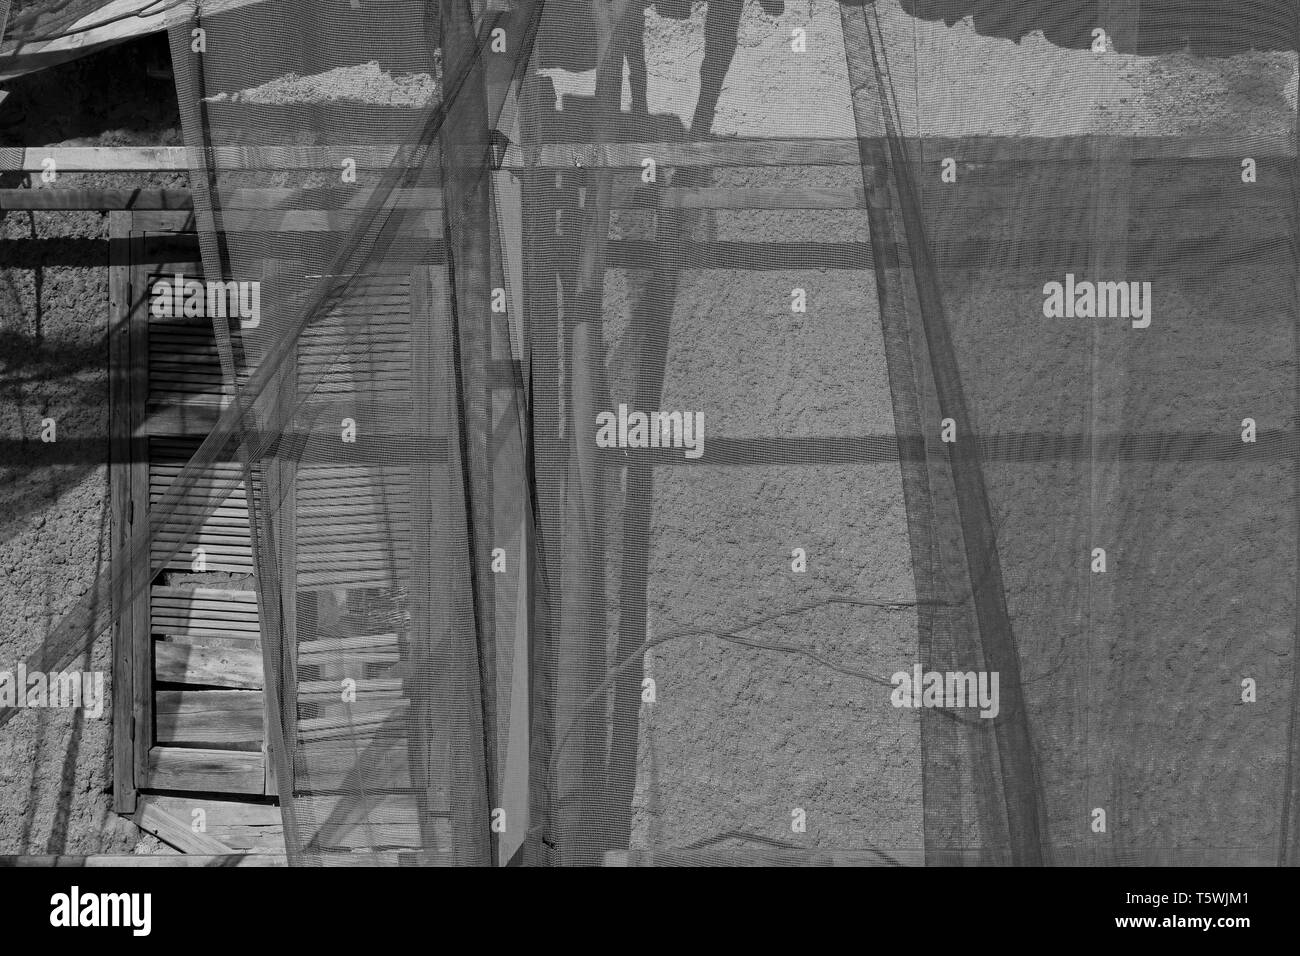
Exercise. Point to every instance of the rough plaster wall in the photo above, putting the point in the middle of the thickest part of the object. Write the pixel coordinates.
(55, 765)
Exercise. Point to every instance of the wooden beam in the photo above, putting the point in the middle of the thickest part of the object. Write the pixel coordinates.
(358, 651)
(262, 205)
(265, 200)
(993, 150)
(137, 322)
(99, 159)
(210, 771)
(241, 220)
(752, 152)
(209, 717)
(242, 825)
(122, 427)
(60, 198)
(151, 817)
(187, 662)
(342, 766)
(767, 856)
(714, 197)
(149, 860)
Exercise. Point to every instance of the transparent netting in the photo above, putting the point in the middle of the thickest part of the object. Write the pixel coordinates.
(610, 462)
(381, 421)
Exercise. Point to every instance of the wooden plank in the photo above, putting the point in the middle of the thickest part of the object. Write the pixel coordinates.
(207, 770)
(237, 602)
(758, 152)
(153, 818)
(738, 151)
(350, 727)
(316, 220)
(721, 197)
(218, 534)
(185, 606)
(184, 662)
(241, 220)
(122, 417)
(327, 691)
(243, 825)
(91, 159)
(364, 820)
(279, 655)
(221, 812)
(209, 718)
(148, 860)
(245, 838)
(214, 630)
(207, 618)
(177, 418)
(216, 559)
(324, 577)
(333, 197)
(738, 255)
(364, 835)
(378, 648)
(177, 226)
(246, 597)
(62, 198)
(142, 664)
(162, 623)
(325, 767)
(969, 193)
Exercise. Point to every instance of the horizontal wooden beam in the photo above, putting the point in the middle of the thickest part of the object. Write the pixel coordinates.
(211, 771)
(144, 859)
(996, 150)
(260, 206)
(188, 662)
(161, 200)
(146, 159)
(308, 210)
(764, 856)
(67, 198)
(208, 718)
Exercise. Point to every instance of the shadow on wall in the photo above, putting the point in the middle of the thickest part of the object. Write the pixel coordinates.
(1201, 27)
(1204, 27)
(38, 377)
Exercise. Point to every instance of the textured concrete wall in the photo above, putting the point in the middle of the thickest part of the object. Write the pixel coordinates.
(55, 773)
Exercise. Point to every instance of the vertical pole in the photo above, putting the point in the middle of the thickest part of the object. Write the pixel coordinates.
(466, 156)
(140, 571)
(123, 416)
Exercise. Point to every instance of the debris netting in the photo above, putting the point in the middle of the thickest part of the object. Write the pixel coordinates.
(380, 421)
(1113, 527)
(918, 491)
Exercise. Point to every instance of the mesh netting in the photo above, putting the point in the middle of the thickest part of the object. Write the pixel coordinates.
(610, 461)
